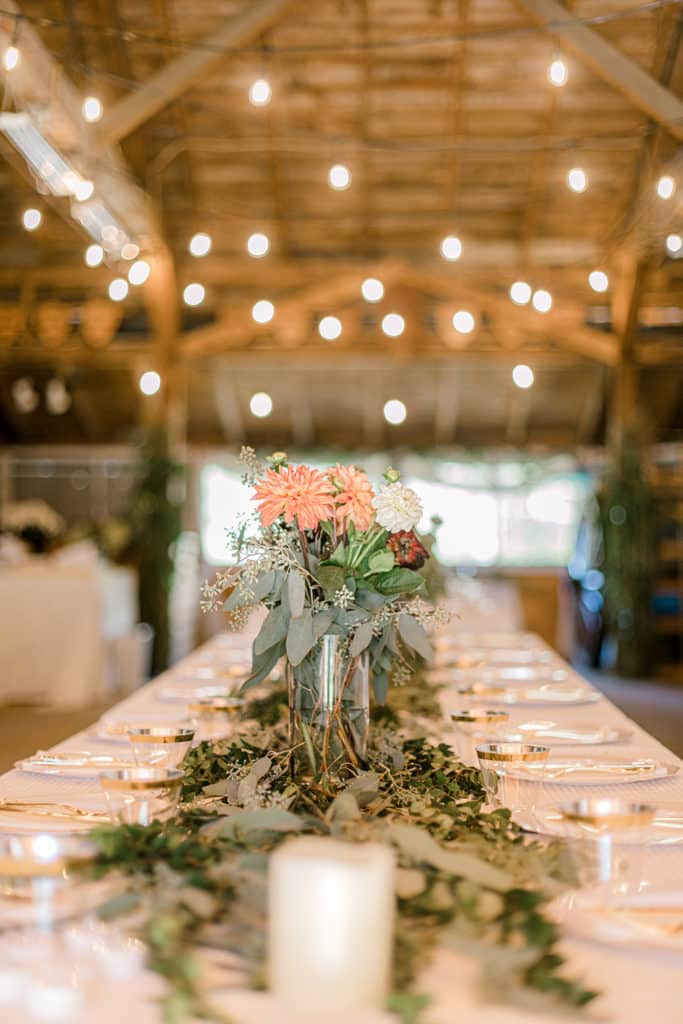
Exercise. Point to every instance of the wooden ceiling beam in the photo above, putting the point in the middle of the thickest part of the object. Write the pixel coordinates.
(609, 63)
(177, 76)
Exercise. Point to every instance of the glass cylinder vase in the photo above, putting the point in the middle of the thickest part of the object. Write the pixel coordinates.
(329, 709)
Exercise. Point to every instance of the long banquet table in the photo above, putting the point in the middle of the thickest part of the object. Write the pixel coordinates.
(636, 986)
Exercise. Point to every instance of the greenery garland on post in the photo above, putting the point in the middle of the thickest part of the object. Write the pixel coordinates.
(154, 516)
(628, 512)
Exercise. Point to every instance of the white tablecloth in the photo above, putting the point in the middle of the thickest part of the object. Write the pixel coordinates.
(58, 621)
(636, 987)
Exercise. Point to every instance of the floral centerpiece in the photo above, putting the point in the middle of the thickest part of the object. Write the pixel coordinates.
(335, 563)
(34, 522)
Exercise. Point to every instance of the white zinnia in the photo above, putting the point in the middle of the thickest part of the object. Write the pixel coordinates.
(397, 508)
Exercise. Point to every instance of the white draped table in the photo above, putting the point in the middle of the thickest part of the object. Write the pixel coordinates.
(636, 987)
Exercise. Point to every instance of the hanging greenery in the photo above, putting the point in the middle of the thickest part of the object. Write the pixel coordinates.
(154, 517)
(628, 513)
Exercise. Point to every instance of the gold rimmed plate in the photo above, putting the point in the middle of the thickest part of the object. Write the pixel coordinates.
(556, 734)
(649, 919)
(548, 694)
(72, 763)
(666, 828)
(599, 771)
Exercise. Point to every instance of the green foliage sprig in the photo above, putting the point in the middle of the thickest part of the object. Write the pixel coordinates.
(466, 879)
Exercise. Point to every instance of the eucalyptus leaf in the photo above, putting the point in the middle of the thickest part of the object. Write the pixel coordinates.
(380, 686)
(300, 637)
(244, 823)
(296, 593)
(370, 599)
(361, 639)
(273, 630)
(262, 665)
(252, 593)
(414, 635)
(322, 621)
(419, 846)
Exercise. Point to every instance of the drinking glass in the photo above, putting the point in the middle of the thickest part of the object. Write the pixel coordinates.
(138, 796)
(214, 718)
(606, 841)
(468, 723)
(160, 745)
(506, 775)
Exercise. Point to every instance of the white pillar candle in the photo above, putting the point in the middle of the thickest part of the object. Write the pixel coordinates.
(331, 918)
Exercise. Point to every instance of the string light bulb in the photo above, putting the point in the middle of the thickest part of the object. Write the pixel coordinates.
(557, 73)
(94, 255)
(200, 244)
(83, 190)
(330, 328)
(149, 383)
(260, 93)
(130, 251)
(339, 177)
(263, 311)
(393, 325)
(577, 179)
(523, 376)
(451, 248)
(194, 294)
(258, 244)
(139, 272)
(542, 301)
(395, 412)
(666, 186)
(372, 290)
(520, 293)
(31, 219)
(11, 58)
(92, 109)
(598, 280)
(261, 405)
(674, 244)
(118, 289)
(463, 322)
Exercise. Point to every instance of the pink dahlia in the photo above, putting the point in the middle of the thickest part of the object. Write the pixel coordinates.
(354, 496)
(299, 493)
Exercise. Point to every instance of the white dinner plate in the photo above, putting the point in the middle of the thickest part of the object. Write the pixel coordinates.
(596, 771)
(69, 901)
(555, 734)
(651, 919)
(521, 696)
(665, 830)
(211, 673)
(510, 641)
(500, 676)
(75, 764)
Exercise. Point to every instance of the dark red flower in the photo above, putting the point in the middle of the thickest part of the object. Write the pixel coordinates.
(408, 551)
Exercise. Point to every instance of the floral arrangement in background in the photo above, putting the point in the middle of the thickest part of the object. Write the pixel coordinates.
(33, 522)
(332, 555)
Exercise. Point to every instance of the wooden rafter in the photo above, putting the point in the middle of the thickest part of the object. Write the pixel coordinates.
(609, 64)
(169, 83)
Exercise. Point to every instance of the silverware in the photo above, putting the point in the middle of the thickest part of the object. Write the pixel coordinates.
(49, 810)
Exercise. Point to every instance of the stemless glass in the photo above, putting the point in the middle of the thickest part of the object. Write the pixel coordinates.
(505, 776)
(214, 718)
(606, 841)
(163, 746)
(468, 723)
(138, 796)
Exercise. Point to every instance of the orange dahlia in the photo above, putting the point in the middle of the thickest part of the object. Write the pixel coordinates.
(354, 496)
(295, 492)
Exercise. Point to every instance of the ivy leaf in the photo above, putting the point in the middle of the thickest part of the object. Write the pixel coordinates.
(361, 639)
(300, 637)
(414, 635)
(273, 630)
(398, 581)
(296, 593)
(382, 561)
(331, 579)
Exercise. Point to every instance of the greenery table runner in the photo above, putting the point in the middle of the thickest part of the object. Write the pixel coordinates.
(467, 879)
